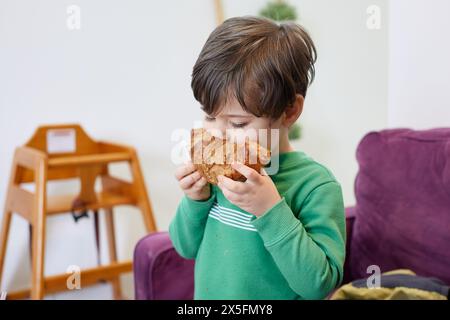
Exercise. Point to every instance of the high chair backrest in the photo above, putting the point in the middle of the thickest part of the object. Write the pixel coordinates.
(62, 140)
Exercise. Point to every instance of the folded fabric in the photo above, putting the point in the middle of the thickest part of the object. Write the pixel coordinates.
(395, 285)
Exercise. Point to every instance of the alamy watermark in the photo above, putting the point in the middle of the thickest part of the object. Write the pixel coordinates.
(373, 21)
(73, 281)
(373, 281)
(267, 138)
(73, 21)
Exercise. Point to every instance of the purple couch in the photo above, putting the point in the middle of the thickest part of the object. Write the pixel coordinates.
(401, 218)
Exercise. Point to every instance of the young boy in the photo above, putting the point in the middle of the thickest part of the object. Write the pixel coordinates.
(270, 237)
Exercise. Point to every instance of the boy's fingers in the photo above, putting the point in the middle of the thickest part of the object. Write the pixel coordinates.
(249, 173)
(188, 181)
(200, 183)
(230, 195)
(234, 186)
(184, 170)
(263, 172)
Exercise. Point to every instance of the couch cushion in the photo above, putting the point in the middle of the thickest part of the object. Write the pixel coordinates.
(403, 203)
(159, 272)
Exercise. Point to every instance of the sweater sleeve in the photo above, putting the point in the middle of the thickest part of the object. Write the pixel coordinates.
(309, 251)
(187, 227)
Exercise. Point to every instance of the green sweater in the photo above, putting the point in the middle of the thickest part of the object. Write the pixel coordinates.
(295, 250)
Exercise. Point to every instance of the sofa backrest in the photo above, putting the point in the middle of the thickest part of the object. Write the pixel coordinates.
(403, 203)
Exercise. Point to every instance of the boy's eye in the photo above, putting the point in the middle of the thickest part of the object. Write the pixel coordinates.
(239, 125)
(208, 118)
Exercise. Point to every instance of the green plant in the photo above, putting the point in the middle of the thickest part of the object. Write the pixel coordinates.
(295, 132)
(279, 11)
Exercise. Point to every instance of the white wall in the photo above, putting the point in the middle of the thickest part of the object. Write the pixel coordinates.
(126, 77)
(349, 95)
(419, 64)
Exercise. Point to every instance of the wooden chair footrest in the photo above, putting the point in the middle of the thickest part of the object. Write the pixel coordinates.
(64, 203)
(88, 277)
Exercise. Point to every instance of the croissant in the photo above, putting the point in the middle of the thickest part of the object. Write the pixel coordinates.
(213, 156)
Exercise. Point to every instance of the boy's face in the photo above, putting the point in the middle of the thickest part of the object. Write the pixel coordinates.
(234, 122)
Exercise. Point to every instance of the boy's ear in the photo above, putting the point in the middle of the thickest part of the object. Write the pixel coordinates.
(293, 112)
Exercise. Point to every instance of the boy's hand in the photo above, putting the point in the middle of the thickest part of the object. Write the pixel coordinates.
(192, 183)
(256, 195)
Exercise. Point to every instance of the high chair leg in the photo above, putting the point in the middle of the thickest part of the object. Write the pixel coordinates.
(6, 223)
(110, 232)
(7, 217)
(38, 235)
(144, 202)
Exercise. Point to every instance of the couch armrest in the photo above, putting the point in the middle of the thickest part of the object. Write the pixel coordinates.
(160, 273)
(350, 216)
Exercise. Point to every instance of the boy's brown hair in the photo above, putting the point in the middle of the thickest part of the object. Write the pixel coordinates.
(261, 63)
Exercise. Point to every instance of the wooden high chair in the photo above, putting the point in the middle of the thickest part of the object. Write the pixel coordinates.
(60, 152)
